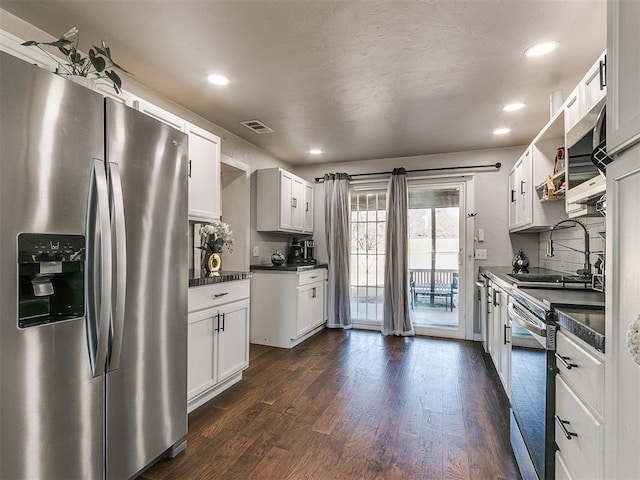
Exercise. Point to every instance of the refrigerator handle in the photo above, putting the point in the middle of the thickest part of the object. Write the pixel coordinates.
(99, 270)
(120, 285)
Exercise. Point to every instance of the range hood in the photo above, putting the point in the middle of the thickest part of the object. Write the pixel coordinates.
(587, 192)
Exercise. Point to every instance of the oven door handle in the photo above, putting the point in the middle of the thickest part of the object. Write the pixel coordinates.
(523, 322)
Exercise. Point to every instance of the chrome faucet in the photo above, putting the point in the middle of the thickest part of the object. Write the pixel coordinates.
(586, 270)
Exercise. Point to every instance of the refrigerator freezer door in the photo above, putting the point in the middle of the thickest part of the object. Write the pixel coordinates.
(50, 404)
(146, 396)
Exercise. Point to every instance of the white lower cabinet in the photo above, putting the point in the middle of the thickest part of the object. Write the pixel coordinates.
(218, 339)
(287, 307)
(499, 331)
(579, 427)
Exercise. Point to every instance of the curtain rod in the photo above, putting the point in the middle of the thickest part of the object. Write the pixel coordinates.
(437, 169)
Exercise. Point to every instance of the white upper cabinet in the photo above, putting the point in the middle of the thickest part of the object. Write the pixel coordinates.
(585, 102)
(528, 210)
(285, 202)
(159, 114)
(204, 174)
(13, 45)
(623, 74)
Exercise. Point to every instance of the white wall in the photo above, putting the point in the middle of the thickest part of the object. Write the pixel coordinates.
(491, 195)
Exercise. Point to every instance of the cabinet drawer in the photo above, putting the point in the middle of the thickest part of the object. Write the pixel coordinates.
(583, 454)
(586, 372)
(207, 296)
(561, 469)
(312, 276)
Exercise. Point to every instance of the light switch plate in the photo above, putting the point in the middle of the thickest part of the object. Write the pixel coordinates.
(481, 234)
(256, 252)
(481, 254)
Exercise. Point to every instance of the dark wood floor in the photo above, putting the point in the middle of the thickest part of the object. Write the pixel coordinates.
(354, 405)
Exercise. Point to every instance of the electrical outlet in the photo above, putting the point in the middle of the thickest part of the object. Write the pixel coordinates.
(481, 254)
(256, 251)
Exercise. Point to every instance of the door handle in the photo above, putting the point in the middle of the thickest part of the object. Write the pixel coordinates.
(522, 182)
(513, 196)
(189, 168)
(98, 235)
(603, 73)
(119, 231)
(565, 361)
(506, 327)
(563, 425)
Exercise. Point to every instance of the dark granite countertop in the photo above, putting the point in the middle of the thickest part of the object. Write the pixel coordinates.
(579, 311)
(196, 278)
(586, 324)
(288, 267)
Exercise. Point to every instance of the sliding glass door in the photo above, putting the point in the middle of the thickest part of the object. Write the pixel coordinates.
(435, 243)
(436, 221)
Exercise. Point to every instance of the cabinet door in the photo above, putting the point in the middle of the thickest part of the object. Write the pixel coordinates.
(505, 343)
(201, 368)
(304, 318)
(298, 211)
(525, 190)
(623, 74)
(159, 114)
(13, 45)
(496, 329)
(286, 201)
(594, 85)
(204, 174)
(513, 198)
(308, 208)
(319, 304)
(622, 374)
(233, 339)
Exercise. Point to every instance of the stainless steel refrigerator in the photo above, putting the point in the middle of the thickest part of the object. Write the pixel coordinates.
(93, 281)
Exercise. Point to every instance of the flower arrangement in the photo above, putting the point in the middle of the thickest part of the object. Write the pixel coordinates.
(98, 64)
(214, 235)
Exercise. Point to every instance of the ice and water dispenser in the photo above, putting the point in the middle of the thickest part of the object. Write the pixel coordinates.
(50, 278)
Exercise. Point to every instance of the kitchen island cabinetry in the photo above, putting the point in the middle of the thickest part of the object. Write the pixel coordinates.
(285, 202)
(218, 339)
(287, 307)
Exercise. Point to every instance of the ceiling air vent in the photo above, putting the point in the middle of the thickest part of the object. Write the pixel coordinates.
(257, 126)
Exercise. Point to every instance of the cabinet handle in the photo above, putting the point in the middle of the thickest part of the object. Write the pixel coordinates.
(603, 73)
(218, 295)
(306, 206)
(566, 432)
(565, 361)
(505, 333)
(217, 329)
(189, 168)
(522, 182)
(315, 276)
(222, 321)
(495, 299)
(513, 196)
(294, 202)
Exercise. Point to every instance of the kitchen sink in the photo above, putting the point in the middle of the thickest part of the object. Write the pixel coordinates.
(550, 280)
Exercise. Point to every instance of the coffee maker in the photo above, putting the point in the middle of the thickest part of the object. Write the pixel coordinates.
(308, 247)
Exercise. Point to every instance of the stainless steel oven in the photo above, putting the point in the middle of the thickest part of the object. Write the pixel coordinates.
(532, 388)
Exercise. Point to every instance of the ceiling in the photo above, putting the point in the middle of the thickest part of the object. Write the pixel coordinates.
(358, 79)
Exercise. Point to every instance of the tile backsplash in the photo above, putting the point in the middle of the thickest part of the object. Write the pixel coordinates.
(567, 260)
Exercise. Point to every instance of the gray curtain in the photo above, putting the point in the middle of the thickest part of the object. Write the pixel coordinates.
(338, 239)
(396, 319)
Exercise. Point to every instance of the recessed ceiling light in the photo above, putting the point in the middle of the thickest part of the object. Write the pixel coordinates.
(501, 131)
(512, 107)
(540, 49)
(218, 79)
(315, 151)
